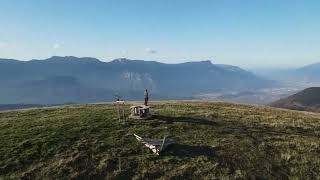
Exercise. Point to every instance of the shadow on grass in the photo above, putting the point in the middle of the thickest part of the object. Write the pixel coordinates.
(241, 128)
(238, 127)
(171, 119)
(183, 150)
(263, 130)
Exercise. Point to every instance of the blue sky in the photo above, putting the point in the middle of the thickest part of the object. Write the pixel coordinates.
(246, 33)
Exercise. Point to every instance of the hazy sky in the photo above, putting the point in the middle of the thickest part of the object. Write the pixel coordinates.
(247, 33)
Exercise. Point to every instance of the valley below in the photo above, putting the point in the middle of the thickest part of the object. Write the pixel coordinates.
(260, 96)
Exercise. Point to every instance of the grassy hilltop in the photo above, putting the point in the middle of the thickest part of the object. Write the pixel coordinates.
(213, 140)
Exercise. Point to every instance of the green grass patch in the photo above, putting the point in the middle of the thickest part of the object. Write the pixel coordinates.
(213, 141)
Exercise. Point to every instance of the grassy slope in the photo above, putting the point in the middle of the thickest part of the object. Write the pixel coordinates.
(306, 100)
(214, 140)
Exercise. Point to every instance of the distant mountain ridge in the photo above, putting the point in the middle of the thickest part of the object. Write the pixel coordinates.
(306, 100)
(309, 74)
(79, 80)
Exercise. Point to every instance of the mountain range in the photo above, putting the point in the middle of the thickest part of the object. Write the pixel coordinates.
(71, 79)
(309, 74)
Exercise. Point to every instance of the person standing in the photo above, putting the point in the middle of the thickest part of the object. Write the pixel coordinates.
(146, 97)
